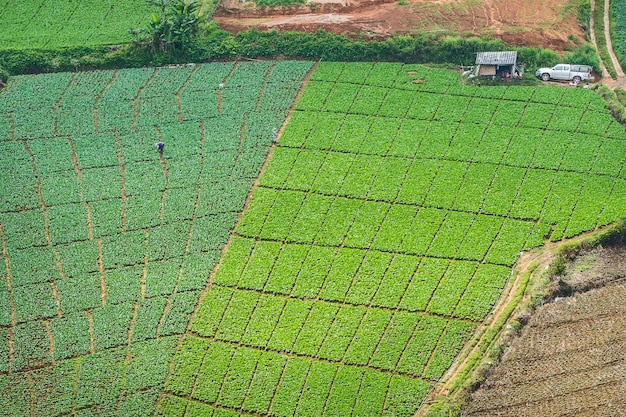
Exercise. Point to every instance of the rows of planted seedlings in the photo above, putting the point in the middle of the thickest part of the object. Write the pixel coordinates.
(106, 243)
(381, 234)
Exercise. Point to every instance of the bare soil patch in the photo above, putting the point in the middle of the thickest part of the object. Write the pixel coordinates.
(546, 23)
(571, 357)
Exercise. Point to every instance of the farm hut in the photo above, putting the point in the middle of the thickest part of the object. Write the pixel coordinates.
(503, 64)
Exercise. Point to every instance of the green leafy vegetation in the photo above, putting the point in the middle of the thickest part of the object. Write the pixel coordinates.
(381, 235)
(62, 24)
(618, 29)
(107, 244)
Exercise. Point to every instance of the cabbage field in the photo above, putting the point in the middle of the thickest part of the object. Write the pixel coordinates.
(62, 23)
(382, 232)
(106, 245)
(378, 237)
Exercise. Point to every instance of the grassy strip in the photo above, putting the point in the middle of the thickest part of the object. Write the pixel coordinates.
(217, 44)
(598, 21)
(612, 235)
(615, 101)
(617, 24)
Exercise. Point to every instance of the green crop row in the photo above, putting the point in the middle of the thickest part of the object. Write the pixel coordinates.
(521, 147)
(618, 14)
(102, 378)
(107, 243)
(386, 222)
(266, 382)
(400, 228)
(41, 24)
(127, 100)
(349, 333)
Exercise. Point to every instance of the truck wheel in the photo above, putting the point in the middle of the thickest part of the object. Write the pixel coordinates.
(545, 77)
(576, 79)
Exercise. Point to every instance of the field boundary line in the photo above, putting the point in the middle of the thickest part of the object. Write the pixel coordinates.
(12, 123)
(278, 383)
(144, 270)
(180, 89)
(220, 91)
(57, 104)
(341, 304)
(99, 97)
(262, 88)
(136, 99)
(103, 294)
(127, 357)
(80, 190)
(7, 278)
(46, 324)
(92, 339)
(31, 393)
(46, 225)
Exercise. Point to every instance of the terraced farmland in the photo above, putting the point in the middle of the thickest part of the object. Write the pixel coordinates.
(106, 245)
(56, 23)
(382, 232)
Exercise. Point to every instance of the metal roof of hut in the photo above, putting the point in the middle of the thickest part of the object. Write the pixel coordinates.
(496, 58)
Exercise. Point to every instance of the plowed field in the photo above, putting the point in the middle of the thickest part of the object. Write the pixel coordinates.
(571, 358)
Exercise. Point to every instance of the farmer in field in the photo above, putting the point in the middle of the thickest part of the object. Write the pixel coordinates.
(159, 146)
(274, 135)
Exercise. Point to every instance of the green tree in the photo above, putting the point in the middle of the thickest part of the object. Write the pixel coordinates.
(175, 27)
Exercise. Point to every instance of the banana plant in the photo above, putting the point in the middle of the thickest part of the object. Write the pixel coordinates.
(174, 26)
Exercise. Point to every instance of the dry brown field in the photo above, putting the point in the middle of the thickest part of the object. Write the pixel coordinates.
(570, 360)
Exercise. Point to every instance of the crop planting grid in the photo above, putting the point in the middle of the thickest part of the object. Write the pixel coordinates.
(46, 23)
(106, 245)
(383, 230)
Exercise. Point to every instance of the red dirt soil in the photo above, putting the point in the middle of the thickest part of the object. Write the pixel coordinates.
(546, 23)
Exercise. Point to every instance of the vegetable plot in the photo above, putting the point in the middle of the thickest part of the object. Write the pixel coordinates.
(106, 244)
(53, 24)
(381, 234)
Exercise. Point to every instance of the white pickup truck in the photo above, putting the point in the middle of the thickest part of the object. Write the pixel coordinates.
(568, 72)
